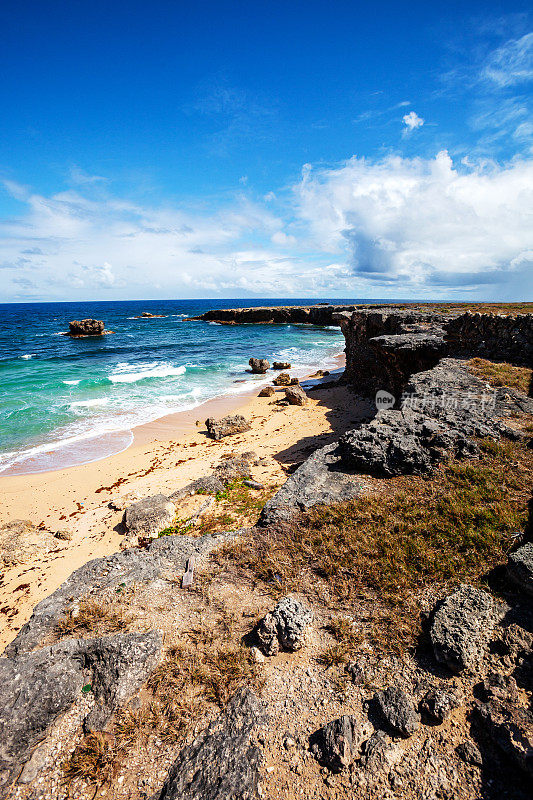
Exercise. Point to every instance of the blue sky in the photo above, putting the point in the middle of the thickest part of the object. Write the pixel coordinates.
(255, 149)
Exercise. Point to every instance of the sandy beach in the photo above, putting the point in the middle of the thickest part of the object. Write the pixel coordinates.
(165, 456)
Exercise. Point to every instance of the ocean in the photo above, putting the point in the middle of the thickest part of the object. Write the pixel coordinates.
(67, 401)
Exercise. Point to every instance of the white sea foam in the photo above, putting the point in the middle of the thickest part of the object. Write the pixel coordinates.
(72, 383)
(27, 356)
(100, 401)
(147, 371)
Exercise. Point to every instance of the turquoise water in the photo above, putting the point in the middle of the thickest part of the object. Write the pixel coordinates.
(65, 401)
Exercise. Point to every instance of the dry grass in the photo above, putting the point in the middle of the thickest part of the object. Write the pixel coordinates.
(502, 374)
(94, 760)
(374, 557)
(94, 616)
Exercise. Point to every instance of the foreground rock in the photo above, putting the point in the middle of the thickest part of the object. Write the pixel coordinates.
(86, 327)
(36, 688)
(227, 426)
(283, 379)
(520, 567)
(165, 556)
(229, 469)
(259, 365)
(337, 744)
(284, 627)
(148, 517)
(398, 711)
(510, 727)
(267, 391)
(295, 395)
(21, 541)
(322, 479)
(223, 762)
(438, 704)
(462, 628)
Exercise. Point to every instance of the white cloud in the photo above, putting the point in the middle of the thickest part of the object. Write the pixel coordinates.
(512, 63)
(412, 121)
(421, 225)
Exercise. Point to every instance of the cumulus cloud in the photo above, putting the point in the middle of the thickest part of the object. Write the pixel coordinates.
(420, 225)
(412, 121)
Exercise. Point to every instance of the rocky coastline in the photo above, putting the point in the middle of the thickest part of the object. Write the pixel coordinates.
(255, 707)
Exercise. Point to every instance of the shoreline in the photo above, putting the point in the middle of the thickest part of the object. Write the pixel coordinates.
(164, 457)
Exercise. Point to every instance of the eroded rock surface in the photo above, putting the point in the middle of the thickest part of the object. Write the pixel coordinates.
(398, 711)
(21, 540)
(295, 395)
(337, 743)
(222, 762)
(285, 626)
(86, 327)
(148, 517)
(520, 567)
(227, 426)
(462, 628)
(259, 365)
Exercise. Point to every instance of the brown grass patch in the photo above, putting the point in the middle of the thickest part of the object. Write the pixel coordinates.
(93, 760)
(501, 374)
(94, 616)
(375, 556)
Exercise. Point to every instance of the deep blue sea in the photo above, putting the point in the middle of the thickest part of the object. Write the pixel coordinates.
(59, 397)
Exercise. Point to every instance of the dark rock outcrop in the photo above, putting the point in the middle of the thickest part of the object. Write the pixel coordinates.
(321, 479)
(295, 395)
(462, 628)
(149, 516)
(510, 726)
(281, 365)
(285, 626)
(398, 711)
(337, 743)
(502, 337)
(438, 704)
(267, 391)
(222, 762)
(318, 314)
(283, 379)
(259, 365)
(86, 327)
(520, 567)
(37, 687)
(227, 426)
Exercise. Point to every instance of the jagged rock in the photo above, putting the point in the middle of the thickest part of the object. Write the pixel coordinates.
(469, 753)
(86, 327)
(295, 395)
(319, 480)
(267, 391)
(259, 365)
(337, 743)
(520, 567)
(207, 485)
(380, 753)
(462, 627)
(320, 373)
(511, 728)
(295, 382)
(498, 686)
(222, 762)
(438, 704)
(398, 711)
(120, 665)
(227, 426)
(283, 379)
(228, 470)
(36, 688)
(148, 517)
(21, 540)
(517, 641)
(284, 626)
(169, 554)
(281, 365)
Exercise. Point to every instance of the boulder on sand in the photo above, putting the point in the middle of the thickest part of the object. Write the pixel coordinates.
(295, 395)
(218, 428)
(150, 516)
(283, 379)
(266, 391)
(86, 327)
(259, 365)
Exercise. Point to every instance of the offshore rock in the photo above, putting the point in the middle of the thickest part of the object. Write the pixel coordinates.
(227, 426)
(337, 743)
(259, 365)
(148, 517)
(398, 710)
(462, 627)
(222, 762)
(285, 626)
(281, 365)
(86, 327)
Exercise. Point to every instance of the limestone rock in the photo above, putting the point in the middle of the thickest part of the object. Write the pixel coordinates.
(227, 426)
(337, 743)
(86, 327)
(222, 762)
(380, 753)
(462, 627)
(281, 365)
(259, 365)
(295, 395)
(284, 626)
(398, 710)
(148, 517)
(283, 379)
(21, 541)
(266, 391)
(520, 567)
(438, 704)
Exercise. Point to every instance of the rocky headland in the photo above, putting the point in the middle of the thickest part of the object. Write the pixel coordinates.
(368, 634)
